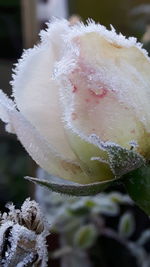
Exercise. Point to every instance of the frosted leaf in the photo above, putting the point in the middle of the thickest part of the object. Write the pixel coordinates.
(57, 209)
(20, 244)
(85, 236)
(31, 216)
(106, 207)
(117, 197)
(4, 227)
(126, 225)
(74, 189)
(121, 160)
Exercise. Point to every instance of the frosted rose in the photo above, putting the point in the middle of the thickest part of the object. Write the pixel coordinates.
(82, 103)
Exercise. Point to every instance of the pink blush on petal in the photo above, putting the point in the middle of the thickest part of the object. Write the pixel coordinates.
(94, 97)
(101, 94)
(74, 89)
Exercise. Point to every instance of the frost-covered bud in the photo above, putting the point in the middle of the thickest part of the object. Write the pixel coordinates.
(21, 244)
(31, 216)
(82, 98)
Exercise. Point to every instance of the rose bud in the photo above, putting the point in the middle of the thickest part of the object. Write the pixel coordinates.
(82, 105)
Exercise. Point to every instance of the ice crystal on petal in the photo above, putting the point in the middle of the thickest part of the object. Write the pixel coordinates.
(6, 105)
(110, 35)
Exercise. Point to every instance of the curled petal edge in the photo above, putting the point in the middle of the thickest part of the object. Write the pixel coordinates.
(35, 144)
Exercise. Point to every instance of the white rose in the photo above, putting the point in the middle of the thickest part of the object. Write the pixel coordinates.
(82, 103)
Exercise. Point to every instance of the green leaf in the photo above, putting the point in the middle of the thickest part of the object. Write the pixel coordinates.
(138, 186)
(84, 238)
(126, 225)
(73, 189)
(79, 211)
(106, 207)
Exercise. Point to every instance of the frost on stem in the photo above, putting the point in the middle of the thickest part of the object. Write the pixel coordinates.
(23, 236)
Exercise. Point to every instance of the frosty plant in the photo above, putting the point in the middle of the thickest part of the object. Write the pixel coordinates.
(21, 234)
(81, 109)
(83, 223)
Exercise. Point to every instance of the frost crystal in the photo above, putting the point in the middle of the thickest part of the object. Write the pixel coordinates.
(121, 160)
(23, 236)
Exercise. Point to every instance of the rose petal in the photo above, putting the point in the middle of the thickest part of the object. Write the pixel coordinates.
(117, 68)
(37, 147)
(97, 170)
(42, 153)
(6, 104)
(110, 91)
(36, 93)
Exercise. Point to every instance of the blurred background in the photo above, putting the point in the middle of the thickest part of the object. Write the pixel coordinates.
(20, 22)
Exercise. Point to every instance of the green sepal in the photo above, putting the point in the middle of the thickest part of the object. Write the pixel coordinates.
(73, 189)
(137, 184)
(122, 160)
